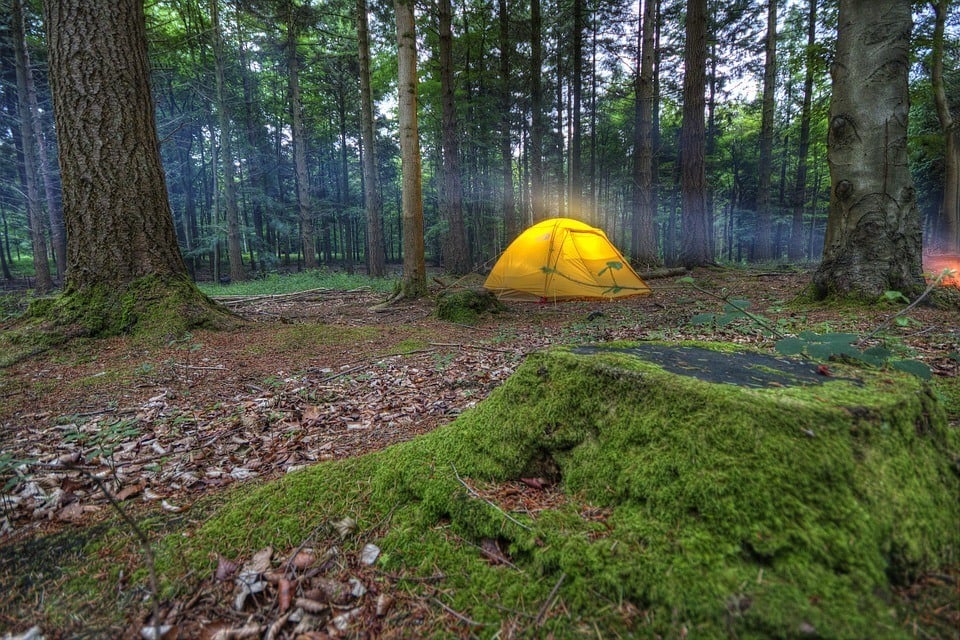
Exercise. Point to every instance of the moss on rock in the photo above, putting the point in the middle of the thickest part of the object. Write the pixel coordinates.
(726, 511)
(467, 305)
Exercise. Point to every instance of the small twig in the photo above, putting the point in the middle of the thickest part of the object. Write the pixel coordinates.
(219, 367)
(144, 541)
(886, 323)
(479, 347)
(548, 603)
(474, 493)
(456, 614)
(726, 300)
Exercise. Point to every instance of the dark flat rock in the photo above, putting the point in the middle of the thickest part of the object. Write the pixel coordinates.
(742, 368)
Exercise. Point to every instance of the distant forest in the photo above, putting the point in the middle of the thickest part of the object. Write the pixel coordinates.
(547, 105)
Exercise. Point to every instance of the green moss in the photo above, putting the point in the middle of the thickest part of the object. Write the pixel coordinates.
(731, 511)
(466, 306)
(153, 307)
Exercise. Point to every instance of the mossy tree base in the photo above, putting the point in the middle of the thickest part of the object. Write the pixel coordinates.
(776, 511)
(165, 308)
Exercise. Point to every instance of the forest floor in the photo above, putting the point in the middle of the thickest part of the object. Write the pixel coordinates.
(320, 376)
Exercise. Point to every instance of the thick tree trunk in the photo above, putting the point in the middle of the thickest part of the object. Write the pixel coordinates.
(537, 193)
(873, 238)
(950, 207)
(762, 243)
(124, 268)
(796, 252)
(119, 225)
(695, 241)
(43, 282)
(643, 230)
(234, 247)
(455, 251)
(307, 233)
(414, 282)
(511, 228)
(376, 254)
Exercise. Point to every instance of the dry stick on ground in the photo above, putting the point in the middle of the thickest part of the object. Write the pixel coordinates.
(926, 292)
(141, 537)
(548, 603)
(459, 616)
(473, 492)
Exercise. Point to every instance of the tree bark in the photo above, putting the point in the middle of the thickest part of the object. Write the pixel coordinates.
(795, 252)
(695, 241)
(511, 227)
(950, 207)
(376, 253)
(414, 281)
(43, 282)
(307, 234)
(124, 268)
(873, 238)
(537, 194)
(576, 132)
(762, 243)
(643, 236)
(234, 246)
(455, 251)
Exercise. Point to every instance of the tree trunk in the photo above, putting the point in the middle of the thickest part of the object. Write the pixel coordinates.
(796, 252)
(695, 231)
(234, 247)
(643, 236)
(307, 234)
(511, 228)
(576, 133)
(376, 254)
(455, 251)
(763, 248)
(873, 239)
(124, 268)
(537, 204)
(414, 282)
(950, 207)
(43, 282)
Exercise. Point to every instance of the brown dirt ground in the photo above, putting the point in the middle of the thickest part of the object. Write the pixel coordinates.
(316, 377)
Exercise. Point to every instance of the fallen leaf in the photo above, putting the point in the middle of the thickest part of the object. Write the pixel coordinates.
(369, 553)
(345, 526)
(303, 559)
(536, 483)
(284, 594)
(225, 569)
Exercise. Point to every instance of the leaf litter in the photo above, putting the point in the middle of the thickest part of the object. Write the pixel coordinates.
(197, 417)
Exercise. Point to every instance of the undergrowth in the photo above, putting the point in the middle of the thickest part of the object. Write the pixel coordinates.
(275, 283)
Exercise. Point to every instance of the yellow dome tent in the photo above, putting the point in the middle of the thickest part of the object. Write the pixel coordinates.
(563, 259)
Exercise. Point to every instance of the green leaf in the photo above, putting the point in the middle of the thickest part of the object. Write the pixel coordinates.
(876, 356)
(686, 280)
(790, 346)
(704, 318)
(894, 296)
(737, 305)
(915, 367)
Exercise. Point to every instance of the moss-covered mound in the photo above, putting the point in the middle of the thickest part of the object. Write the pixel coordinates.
(152, 306)
(467, 305)
(688, 508)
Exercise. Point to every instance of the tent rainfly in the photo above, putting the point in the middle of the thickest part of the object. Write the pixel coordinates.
(563, 259)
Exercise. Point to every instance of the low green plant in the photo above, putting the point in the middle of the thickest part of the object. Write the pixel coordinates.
(827, 345)
(276, 283)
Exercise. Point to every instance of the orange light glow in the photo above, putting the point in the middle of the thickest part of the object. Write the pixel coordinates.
(935, 265)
